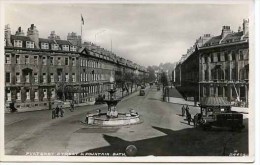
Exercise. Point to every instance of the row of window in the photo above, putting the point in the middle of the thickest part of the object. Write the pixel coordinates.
(91, 64)
(27, 60)
(45, 46)
(219, 74)
(28, 94)
(222, 91)
(221, 57)
(27, 77)
(34, 94)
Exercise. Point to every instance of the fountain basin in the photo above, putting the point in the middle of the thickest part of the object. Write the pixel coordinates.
(103, 120)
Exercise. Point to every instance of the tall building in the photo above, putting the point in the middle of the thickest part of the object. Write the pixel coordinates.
(217, 66)
(39, 71)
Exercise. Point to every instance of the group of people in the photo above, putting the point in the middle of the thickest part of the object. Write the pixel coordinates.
(185, 110)
(59, 112)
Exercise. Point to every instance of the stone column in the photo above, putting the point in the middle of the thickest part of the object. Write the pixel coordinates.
(230, 92)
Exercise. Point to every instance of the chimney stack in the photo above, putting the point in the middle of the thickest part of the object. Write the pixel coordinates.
(33, 34)
(19, 32)
(225, 31)
(8, 35)
(245, 26)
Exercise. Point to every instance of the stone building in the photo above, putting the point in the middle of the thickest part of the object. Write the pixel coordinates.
(39, 71)
(219, 66)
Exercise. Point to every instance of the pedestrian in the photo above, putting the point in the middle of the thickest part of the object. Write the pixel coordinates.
(195, 120)
(57, 110)
(187, 111)
(183, 110)
(61, 112)
(71, 106)
(53, 113)
(189, 118)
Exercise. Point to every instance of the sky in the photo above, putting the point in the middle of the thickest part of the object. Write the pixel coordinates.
(148, 34)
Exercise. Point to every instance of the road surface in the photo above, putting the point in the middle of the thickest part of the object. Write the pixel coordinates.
(163, 132)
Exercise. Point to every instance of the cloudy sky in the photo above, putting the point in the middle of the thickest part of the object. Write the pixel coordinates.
(144, 33)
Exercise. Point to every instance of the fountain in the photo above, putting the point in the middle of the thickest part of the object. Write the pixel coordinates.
(112, 117)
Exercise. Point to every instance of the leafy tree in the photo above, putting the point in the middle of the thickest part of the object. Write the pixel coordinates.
(164, 79)
(151, 74)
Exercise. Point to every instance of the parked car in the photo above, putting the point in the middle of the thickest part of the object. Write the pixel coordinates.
(216, 112)
(142, 92)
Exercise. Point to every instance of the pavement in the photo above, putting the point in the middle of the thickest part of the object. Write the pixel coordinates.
(163, 132)
(176, 98)
(119, 94)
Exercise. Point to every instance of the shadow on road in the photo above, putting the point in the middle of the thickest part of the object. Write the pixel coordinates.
(154, 99)
(185, 142)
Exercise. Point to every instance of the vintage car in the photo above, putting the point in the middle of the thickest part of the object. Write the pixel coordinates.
(216, 112)
(142, 92)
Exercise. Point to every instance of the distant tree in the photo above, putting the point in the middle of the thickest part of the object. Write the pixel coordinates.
(151, 74)
(164, 79)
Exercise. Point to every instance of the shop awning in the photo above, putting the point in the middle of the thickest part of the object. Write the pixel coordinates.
(214, 102)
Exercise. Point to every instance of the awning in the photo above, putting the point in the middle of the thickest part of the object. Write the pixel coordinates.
(214, 102)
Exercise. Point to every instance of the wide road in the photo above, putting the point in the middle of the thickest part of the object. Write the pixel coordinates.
(163, 132)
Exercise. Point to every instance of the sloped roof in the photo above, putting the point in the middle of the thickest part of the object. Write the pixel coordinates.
(233, 36)
(214, 101)
(63, 42)
(46, 40)
(213, 41)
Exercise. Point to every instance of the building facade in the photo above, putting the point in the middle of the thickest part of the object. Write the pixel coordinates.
(39, 71)
(219, 67)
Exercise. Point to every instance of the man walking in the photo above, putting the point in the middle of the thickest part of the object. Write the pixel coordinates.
(188, 115)
(71, 106)
(53, 113)
(183, 110)
(61, 112)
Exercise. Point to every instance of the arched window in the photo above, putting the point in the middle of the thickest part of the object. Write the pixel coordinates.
(217, 73)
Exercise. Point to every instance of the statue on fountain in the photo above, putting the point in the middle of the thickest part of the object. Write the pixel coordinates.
(112, 102)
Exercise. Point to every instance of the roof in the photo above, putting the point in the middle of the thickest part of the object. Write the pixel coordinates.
(214, 101)
(233, 37)
(213, 41)
(46, 40)
(21, 38)
(229, 38)
(63, 42)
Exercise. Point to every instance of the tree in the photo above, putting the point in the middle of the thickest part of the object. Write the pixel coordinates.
(151, 74)
(164, 82)
(164, 79)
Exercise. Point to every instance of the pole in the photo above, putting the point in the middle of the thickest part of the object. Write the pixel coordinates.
(199, 73)
(81, 31)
